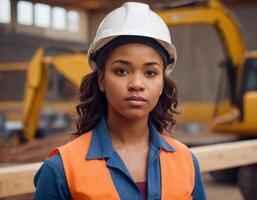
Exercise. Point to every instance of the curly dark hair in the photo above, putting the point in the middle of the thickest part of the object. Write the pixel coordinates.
(93, 105)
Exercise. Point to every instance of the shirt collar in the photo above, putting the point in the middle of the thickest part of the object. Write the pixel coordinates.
(101, 144)
(158, 141)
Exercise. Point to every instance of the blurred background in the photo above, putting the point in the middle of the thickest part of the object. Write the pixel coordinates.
(43, 45)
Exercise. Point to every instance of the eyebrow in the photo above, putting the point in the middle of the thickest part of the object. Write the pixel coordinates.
(125, 62)
(122, 62)
(152, 63)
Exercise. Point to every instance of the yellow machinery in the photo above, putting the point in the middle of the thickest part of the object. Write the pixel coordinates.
(239, 114)
(72, 66)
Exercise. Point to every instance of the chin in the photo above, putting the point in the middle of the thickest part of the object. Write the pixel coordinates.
(134, 115)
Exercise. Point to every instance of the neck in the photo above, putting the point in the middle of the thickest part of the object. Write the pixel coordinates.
(125, 131)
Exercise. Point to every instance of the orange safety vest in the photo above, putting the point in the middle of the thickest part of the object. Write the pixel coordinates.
(91, 180)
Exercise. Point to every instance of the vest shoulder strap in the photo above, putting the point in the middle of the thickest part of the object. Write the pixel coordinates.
(177, 170)
(85, 177)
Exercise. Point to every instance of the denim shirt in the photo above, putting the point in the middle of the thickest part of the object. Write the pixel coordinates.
(51, 183)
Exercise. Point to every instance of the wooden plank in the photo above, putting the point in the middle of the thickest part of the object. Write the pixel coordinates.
(226, 155)
(17, 180)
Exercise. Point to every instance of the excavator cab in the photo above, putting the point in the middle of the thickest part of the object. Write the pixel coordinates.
(247, 97)
(241, 118)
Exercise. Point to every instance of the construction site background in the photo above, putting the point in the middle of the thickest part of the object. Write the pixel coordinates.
(200, 51)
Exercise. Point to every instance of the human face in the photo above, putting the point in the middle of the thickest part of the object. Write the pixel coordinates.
(132, 80)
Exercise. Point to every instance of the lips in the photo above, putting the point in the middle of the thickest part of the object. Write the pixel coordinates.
(136, 101)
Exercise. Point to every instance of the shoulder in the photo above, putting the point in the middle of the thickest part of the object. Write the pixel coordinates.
(54, 162)
(52, 165)
(76, 146)
(82, 139)
(51, 178)
(181, 151)
(177, 145)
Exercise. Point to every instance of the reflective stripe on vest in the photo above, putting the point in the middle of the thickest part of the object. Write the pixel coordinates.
(91, 179)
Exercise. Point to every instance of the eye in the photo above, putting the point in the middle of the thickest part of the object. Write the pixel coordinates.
(121, 72)
(150, 73)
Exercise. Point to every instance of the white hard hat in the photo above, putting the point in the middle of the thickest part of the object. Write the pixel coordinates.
(132, 19)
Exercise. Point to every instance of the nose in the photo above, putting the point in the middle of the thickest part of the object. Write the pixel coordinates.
(136, 83)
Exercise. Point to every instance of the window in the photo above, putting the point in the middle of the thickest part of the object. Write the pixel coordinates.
(48, 21)
(5, 11)
(251, 80)
(59, 18)
(42, 15)
(25, 13)
(73, 21)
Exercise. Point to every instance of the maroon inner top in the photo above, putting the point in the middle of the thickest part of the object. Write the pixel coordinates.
(142, 186)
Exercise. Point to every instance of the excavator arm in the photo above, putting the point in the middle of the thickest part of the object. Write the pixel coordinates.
(71, 66)
(214, 14)
(211, 13)
(35, 89)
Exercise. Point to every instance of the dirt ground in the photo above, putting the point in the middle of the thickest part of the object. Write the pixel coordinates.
(220, 191)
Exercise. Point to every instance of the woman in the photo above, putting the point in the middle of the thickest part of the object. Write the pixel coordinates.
(127, 104)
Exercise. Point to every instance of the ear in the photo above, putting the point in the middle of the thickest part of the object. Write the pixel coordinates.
(100, 79)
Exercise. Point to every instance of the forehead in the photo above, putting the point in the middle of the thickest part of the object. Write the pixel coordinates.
(135, 50)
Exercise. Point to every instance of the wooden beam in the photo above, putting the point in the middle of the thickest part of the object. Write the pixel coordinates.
(226, 155)
(17, 180)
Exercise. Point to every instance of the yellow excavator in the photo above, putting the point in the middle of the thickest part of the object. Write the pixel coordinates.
(73, 67)
(237, 115)
(25, 124)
